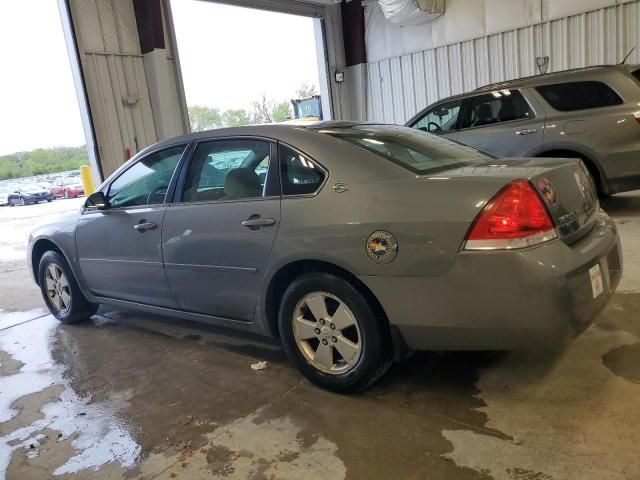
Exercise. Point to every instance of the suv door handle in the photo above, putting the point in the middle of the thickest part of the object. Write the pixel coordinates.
(526, 131)
(254, 223)
(143, 226)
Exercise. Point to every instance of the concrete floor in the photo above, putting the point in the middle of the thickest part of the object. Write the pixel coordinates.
(132, 396)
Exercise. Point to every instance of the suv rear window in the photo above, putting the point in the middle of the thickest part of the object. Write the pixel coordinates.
(413, 149)
(567, 97)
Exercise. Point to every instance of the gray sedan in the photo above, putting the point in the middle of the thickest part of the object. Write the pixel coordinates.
(352, 243)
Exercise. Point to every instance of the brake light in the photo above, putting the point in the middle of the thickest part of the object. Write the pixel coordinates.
(514, 218)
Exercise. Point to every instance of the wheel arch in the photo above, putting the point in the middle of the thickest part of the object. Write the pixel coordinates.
(40, 247)
(592, 165)
(289, 272)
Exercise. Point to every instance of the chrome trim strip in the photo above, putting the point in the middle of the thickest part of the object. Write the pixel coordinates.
(512, 243)
(213, 267)
(113, 260)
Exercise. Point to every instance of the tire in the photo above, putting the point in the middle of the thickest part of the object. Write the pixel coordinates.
(76, 308)
(48, 200)
(369, 333)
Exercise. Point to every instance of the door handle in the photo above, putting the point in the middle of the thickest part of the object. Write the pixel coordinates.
(526, 131)
(143, 226)
(254, 223)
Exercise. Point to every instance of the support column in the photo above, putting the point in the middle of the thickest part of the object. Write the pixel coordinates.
(158, 68)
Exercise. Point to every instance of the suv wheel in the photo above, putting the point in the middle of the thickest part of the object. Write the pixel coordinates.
(332, 334)
(60, 290)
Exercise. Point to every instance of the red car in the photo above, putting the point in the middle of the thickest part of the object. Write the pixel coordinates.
(67, 188)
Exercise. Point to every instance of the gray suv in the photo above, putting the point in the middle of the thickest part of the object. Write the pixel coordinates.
(589, 113)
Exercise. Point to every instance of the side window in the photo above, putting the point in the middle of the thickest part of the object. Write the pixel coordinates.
(495, 107)
(228, 170)
(146, 181)
(299, 174)
(568, 97)
(441, 119)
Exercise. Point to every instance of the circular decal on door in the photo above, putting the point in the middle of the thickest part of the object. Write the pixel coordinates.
(382, 247)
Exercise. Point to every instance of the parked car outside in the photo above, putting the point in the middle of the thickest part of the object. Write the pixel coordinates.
(591, 113)
(352, 243)
(68, 187)
(29, 194)
(4, 196)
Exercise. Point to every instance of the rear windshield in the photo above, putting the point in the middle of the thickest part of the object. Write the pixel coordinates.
(571, 96)
(413, 149)
(636, 74)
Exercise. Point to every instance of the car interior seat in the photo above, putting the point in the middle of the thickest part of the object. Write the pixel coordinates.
(484, 115)
(242, 183)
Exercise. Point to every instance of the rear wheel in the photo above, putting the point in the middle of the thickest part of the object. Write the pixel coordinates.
(332, 334)
(60, 290)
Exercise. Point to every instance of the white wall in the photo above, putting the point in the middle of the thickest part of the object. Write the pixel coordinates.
(411, 67)
(466, 20)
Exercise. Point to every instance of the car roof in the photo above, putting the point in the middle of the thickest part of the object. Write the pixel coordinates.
(571, 75)
(282, 131)
(561, 76)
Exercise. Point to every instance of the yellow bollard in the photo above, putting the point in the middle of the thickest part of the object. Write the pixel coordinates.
(87, 180)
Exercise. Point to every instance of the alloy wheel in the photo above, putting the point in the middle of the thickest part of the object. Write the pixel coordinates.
(327, 333)
(57, 287)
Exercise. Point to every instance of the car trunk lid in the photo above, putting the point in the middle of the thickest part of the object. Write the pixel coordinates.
(564, 185)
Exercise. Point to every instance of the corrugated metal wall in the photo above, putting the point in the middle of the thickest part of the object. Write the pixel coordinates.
(401, 86)
(115, 78)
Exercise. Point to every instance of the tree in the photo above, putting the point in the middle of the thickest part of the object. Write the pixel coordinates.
(236, 118)
(268, 111)
(306, 90)
(204, 118)
(281, 111)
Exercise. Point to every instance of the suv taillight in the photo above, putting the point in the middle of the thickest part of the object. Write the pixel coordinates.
(514, 218)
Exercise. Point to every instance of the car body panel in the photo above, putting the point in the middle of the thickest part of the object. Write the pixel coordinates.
(120, 262)
(608, 138)
(214, 264)
(419, 291)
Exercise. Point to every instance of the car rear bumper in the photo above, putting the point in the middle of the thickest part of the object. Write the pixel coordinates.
(505, 300)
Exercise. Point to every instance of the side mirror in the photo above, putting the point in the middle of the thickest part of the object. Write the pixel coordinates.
(97, 201)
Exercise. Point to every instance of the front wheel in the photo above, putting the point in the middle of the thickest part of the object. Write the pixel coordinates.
(60, 290)
(332, 334)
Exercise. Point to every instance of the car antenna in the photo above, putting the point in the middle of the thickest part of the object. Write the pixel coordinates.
(628, 55)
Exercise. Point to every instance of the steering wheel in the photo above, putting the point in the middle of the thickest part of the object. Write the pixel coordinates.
(437, 128)
(159, 191)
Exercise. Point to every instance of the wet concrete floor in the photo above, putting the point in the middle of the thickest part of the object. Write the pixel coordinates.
(128, 395)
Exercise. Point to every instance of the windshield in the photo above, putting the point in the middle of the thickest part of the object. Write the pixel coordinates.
(413, 149)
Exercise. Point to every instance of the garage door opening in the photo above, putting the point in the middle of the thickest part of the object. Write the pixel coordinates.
(245, 66)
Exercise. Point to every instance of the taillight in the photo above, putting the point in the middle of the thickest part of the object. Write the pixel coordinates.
(514, 218)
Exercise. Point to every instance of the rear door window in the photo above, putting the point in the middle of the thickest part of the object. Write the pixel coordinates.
(495, 107)
(441, 119)
(300, 175)
(572, 96)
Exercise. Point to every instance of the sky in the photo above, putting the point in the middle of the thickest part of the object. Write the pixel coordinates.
(229, 57)
(38, 103)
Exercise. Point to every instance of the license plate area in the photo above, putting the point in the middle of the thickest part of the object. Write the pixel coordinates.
(597, 282)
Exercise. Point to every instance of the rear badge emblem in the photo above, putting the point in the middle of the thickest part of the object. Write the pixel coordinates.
(382, 247)
(547, 190)
(340, 187)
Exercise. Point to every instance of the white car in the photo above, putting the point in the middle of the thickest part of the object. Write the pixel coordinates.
(4, 197)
